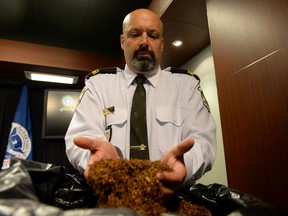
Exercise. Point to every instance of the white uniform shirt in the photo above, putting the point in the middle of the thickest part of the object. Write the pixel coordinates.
(175, 111)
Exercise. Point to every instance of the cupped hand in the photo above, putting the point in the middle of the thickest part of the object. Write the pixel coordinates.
(100, 149)
(174, 158)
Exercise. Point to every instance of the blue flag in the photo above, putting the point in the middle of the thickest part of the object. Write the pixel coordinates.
(20, 138)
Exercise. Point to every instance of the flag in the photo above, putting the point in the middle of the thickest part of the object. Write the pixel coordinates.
(20, 137)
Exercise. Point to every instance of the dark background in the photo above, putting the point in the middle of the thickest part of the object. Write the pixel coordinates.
(44, 150)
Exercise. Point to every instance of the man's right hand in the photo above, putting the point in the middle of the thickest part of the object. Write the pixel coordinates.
(100, 149)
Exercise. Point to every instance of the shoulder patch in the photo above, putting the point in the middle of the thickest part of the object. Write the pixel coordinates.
(205, 102)
(111, 70)
(81, 95)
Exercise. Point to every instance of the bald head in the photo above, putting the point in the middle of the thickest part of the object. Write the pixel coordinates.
(142, 14)
(142, 40)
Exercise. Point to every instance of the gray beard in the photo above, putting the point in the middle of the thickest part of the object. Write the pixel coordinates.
(143, 65)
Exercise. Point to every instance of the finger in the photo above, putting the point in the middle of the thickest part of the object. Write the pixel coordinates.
(184, 146)
(168, 192)
(169, 187)
(84, 142)
(178, 150)
(168, 177)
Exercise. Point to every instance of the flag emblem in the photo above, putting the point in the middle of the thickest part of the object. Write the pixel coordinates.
(20, 137)
(19, 143)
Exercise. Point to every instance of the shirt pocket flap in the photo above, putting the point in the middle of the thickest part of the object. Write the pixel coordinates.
(118, 117)
(170, 114)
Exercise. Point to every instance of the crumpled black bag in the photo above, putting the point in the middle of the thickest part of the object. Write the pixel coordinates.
(46, 178)
(75, 192)
(55, 187)
(16, 182)
(222, 200)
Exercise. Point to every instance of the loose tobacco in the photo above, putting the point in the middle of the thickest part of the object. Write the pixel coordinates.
(132, 184)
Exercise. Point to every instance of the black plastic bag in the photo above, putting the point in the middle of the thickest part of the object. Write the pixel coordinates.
(15, 182)
(222, 200)
(46, 179)
(75, 192)
(55, 187)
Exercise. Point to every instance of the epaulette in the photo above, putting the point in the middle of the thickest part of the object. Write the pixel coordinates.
(109, 70)
(182, 71)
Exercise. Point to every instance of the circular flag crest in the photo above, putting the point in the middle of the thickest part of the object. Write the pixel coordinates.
(19, 143)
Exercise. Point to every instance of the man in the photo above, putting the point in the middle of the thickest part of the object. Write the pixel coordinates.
(177, 116)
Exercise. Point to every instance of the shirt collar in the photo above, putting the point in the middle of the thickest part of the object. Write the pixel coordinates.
(152, 77)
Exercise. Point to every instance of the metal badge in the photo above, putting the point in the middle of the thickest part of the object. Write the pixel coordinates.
(108, 110)
(141, 147)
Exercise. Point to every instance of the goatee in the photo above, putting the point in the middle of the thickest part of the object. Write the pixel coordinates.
(143, 64)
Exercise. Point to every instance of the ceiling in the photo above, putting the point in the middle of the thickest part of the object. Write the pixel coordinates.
(95, 25)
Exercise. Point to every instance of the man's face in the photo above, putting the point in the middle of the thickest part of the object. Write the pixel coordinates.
(142, 41)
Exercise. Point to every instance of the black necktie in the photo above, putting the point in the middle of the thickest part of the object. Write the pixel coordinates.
(138, 130)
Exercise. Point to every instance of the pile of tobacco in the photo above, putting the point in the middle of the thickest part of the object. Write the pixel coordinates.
(132, 184)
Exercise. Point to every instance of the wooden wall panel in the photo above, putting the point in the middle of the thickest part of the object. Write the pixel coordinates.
(16, 57)
(42, 55)
(243, 32)
(249, 46)
(254, 115)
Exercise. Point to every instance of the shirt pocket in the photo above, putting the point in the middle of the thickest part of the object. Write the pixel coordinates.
(169, 114)
(170, 121)
(118, 117)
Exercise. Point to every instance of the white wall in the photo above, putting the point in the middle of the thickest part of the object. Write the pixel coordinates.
(203, 66)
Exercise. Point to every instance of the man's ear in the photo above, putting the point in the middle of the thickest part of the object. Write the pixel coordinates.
(122, 41)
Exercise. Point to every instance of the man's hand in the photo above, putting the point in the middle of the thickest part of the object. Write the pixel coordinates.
(173, 157)
(100, 149)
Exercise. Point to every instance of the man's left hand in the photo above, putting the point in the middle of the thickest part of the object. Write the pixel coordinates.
(173, 157)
